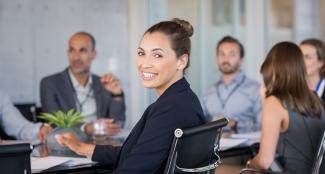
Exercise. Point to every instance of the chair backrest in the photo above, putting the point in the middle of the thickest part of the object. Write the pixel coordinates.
(15, 158)
(319, 155)
(28, 110)
(195, 149)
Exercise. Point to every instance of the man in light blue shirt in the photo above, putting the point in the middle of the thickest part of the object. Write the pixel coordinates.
(234, 95)
(14, 124)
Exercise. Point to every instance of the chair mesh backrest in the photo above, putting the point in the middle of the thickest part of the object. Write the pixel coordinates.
(319, 155)
(195, 148)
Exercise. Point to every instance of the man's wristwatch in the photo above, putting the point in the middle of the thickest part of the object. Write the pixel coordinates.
(44, 125)
(118, 95)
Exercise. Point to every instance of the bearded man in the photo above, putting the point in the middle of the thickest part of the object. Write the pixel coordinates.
(233, 95)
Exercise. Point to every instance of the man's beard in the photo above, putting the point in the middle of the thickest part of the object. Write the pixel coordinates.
(231, 69)
(82, 71)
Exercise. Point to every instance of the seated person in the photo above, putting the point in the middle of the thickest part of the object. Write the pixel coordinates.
(14, 124)
(233, 95)
(293, 116)
(76, 87)
(314, 57)
(163, 56)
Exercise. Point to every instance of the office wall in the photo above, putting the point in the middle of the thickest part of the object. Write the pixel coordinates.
(322, 17)
(17, 59)
(34, 41)
(34, 36)
(212, 20)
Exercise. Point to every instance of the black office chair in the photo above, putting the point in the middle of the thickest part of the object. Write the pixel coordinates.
(15, 158)
(319, 156)
(196, 150)
(316, 165)
(28, 110)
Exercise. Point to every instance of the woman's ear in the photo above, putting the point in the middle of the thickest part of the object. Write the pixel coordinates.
(182, 61)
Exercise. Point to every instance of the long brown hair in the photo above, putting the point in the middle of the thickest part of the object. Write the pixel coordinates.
(284, 76)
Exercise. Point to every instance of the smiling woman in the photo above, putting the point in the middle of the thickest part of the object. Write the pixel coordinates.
(314, 58)
(158, 64)
(163, 56)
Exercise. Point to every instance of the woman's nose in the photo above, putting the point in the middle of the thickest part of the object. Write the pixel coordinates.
(145, 62)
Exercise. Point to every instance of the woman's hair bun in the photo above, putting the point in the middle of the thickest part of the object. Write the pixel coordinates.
(185, 25)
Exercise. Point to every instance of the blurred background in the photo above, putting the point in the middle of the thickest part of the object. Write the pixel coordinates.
(34, 38)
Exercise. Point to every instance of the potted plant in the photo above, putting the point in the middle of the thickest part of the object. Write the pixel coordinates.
(63, 122)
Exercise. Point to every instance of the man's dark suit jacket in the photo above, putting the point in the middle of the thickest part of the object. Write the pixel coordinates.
(57, 93)
(146, 148)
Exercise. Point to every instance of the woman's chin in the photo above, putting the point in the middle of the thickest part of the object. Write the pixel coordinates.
(148, 84)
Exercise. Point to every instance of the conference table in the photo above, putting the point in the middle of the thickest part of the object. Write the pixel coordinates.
(241, 149)
(43, 155)
(246, 144)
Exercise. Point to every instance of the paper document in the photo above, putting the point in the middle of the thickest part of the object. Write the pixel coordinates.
(38, 164)
(246, 139)
(227, 143)
(251, 135)
(251, 138)
(32, 142)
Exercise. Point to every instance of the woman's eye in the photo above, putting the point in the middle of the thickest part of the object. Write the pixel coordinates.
(140, 53)
(157, 55)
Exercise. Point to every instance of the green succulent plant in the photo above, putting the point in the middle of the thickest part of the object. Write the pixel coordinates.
(63, 120)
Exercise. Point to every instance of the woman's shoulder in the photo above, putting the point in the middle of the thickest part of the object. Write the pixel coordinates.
(273, 104)
(186, 98)
(272, 100)
(183, 101)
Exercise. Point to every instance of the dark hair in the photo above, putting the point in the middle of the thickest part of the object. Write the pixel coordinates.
(284, 76)
(179, 32)
(91, 37)
(320, 51)
(229, 39)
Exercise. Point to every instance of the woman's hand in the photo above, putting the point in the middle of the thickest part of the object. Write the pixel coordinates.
(72, 142)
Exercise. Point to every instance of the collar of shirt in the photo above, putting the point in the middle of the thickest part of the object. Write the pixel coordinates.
(76, 84)
(238, 79)
(320, 87)
(85, 100)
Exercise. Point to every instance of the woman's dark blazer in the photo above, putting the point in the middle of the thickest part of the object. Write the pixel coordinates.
(146, 148)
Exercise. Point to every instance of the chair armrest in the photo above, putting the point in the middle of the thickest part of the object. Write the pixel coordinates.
(257, 171)
(199, 169)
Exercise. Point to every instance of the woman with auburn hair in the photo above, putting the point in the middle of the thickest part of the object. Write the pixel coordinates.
(293, 120)
(314, 57)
